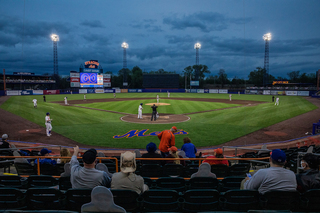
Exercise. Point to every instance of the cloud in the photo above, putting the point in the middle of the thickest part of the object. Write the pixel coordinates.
(147, 24)
(92, 23)
(204, 21)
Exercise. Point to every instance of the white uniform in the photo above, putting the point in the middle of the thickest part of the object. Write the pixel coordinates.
(48, 125)
(114, 95)
(65, 101)
(157, 99)
(140, 112)
(34, 103)
(277, 101)
(84, 97)
(168, 94)
(230, 97)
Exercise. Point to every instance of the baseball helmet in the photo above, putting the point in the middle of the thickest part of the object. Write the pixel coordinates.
(141, 104)
(47, 113)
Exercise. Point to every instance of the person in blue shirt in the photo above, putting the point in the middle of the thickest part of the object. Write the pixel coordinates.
(45, 152)
(189, 148)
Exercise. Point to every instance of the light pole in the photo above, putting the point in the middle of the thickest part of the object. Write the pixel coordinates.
(124, 45)
(55, 39)
(267, 38)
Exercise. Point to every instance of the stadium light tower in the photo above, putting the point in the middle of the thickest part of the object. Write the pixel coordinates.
(55, 39)
(124, 45)
(267, 38)
(197, 46)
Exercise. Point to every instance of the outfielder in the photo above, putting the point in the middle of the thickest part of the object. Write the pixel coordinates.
(65, 100)
(48, 124)
(140, 111)
(157, 99)
(168, 94)
(277, 101)
(230, 97)
(34, 103)
(84, 97)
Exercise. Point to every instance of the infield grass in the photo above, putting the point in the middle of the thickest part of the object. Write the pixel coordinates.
(98, 128)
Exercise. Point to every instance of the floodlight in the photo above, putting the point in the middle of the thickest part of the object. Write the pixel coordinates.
(55, 37)
(197, 46)
(267, 37)
(125, 45)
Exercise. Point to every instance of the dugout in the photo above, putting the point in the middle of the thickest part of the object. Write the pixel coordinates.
(168, 81)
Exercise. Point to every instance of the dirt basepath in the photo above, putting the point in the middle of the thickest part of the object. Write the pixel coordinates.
(296, 127)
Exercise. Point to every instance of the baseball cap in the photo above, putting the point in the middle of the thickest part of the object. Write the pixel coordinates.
(278, 155)
(4, 136)
(173, 148)
(45, 151)
(128, 162)
(218, 151)
(151, 147)
(89, 156)
(174, 128)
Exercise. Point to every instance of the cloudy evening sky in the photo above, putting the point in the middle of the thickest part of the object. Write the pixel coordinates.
(160, 34)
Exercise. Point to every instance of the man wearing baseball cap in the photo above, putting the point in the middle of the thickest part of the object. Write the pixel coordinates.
(274, 178)
(45, 152)
(167, 140)
(87, 177)
(3, 143)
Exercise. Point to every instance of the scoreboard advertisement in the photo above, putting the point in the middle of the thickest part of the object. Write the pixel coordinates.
(91, 80)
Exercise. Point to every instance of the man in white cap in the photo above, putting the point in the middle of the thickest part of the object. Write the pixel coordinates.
(126, 178)
(3, 143)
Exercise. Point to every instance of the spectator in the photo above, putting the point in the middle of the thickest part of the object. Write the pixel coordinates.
(64, 152)
(103, 167)
(167, 140)
(173, 154)
(204, 171)
(67, 170)
(101, 201)
(218, 153)
(274, 178)
(189, 148)
(151, 153)
(45, 152)
(87, 177)
(310, 177)
(126, 178)
(4, 143)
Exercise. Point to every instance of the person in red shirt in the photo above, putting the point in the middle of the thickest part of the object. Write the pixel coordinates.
(218, 153)
(167, 140)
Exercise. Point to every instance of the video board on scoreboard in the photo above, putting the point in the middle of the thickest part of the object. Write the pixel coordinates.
(92, 80)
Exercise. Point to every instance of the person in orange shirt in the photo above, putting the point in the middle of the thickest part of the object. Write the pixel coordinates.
(218, 153)
(167, 140)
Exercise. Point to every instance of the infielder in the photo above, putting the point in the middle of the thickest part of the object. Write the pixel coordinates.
(48, 124)
(34, 103)
(140, 111)
(277, 101)
(157, 99)
(230, 97)
(65, 100)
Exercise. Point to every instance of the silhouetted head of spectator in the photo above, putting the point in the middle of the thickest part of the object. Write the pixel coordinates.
(186, 140)
(151, 147)
(311, 161)
(45, 152)
(89, 157)
(278, 157)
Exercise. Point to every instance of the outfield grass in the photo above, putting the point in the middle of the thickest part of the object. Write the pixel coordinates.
(205, 129)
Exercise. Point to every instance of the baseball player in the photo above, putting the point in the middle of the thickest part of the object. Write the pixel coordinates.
(34, 103)
(84, 97)
(140, 111)
(48, 124)
(168, 94)
(114, 95)
(157, 99)
(230, 97)
(154, 112)
(277, 101)
(65, 100)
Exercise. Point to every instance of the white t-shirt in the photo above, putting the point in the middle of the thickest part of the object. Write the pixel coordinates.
(34, 101)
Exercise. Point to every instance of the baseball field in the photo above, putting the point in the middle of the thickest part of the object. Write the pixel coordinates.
(211, 118)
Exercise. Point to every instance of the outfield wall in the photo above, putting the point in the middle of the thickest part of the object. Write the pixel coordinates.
(117, 90)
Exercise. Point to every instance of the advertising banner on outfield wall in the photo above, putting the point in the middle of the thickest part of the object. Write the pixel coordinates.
(291, 93)
(266, 92)
(132, 90)
(124, 90)
(200, 91)
(224, 91)
(193, 90)
(99, 91)
(90, 90)
(13, 92)
(26, 92)
(213, 91)
(251, 91)
(82, 91)
(206, 91)
(51, 92)
(303, 93)
(108, 91)
(38, 92)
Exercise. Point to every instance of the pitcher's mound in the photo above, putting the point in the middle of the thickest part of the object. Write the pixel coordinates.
(163, 119)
